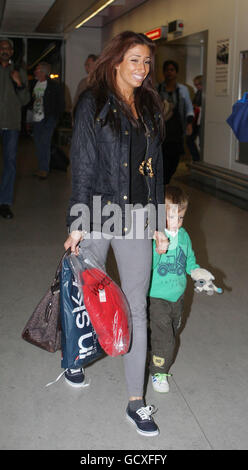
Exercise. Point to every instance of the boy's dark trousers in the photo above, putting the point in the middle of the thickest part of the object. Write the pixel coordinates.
(165, 321)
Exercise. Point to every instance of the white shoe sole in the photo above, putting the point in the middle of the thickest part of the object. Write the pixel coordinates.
(160, 391)
(75, 385)
(142, 433)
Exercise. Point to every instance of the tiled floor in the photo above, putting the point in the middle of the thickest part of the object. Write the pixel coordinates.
(207, 407)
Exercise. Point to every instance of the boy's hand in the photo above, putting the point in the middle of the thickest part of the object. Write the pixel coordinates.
(162, 242)
(200, 273)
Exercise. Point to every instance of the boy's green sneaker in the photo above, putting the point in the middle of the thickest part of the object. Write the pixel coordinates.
(160, 383)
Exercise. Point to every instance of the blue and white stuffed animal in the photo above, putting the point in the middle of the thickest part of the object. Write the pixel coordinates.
(203, 281)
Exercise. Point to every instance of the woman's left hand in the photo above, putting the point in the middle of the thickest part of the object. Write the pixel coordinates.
(162, 242)
(73, 240)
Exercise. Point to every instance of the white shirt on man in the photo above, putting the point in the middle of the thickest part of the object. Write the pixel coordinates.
(38, 106)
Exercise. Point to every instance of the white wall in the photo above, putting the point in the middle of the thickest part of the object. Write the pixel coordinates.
(79, 44)
(223, 19)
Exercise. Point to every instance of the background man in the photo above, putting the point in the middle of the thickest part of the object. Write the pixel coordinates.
(13, 95)
(197, 105)
(48, 105)
(89, 66)
(180, 117)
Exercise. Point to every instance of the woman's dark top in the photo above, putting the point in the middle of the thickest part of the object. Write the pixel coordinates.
(138, 184)
(100, 166)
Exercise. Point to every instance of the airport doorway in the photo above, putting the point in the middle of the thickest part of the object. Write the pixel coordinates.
(190, 52)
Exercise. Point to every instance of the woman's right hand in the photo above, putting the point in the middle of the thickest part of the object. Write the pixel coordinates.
(73, 240)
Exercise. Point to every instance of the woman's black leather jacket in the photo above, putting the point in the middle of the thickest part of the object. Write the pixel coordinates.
(100, 166)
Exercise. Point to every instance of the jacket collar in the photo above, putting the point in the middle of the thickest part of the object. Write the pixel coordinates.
(111, 103)
(106, 107)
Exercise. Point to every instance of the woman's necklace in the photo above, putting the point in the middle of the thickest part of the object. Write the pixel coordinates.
(131, 104)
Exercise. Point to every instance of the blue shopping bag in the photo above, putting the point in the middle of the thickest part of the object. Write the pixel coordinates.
(238, 120)
(79, 343)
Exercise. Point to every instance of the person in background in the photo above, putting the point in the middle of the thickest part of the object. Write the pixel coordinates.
(47, 105)
(14, 94)
(118, 125)
(179, 119)
(89, 66)
(197, 105)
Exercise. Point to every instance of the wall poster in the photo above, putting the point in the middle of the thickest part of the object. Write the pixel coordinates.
(222, 67)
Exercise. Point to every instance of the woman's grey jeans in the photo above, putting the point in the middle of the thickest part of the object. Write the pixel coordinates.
(133, 257)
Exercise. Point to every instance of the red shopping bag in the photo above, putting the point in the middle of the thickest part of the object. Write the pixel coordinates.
(108, 310)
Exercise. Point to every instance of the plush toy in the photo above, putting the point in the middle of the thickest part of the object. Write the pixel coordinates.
(203, 281)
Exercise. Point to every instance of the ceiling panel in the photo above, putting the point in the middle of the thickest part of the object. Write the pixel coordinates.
(111, 13)
(63, 14)
(23, 15)
(58, 16)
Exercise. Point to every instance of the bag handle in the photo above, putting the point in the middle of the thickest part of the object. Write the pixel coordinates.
(55, 287)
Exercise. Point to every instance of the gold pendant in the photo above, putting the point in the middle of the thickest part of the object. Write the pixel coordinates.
(145, 168)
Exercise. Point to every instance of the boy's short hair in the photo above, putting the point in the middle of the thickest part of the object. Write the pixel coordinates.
(176, 195)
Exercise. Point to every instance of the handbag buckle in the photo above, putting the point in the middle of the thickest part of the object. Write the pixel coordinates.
(55, 288)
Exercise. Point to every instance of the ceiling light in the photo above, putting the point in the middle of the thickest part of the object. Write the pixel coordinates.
(94, 13)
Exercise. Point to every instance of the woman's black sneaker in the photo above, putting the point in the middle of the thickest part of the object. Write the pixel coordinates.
(143, 421)
(75, 377)
(6, 212)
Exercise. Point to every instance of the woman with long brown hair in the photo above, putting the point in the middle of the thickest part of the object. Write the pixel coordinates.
(116, 156)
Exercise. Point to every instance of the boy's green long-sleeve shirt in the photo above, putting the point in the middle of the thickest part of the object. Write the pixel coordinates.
(169, 271)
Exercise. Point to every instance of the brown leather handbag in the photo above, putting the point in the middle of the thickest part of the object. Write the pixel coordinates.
(43, 328)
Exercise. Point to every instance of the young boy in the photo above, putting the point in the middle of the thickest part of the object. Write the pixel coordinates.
(168, 283)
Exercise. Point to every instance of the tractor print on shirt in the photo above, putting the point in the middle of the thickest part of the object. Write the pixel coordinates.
(175, 264)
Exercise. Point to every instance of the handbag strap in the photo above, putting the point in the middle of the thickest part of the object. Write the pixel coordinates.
(55, 284)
